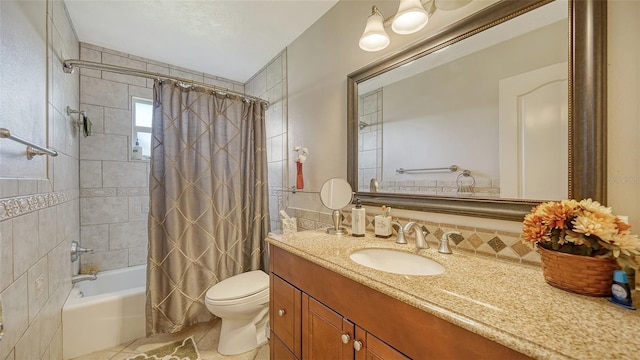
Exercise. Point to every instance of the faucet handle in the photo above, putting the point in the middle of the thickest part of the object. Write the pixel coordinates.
(444, 242)
(400, 239)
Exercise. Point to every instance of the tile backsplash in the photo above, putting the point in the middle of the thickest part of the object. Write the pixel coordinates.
(488, 242)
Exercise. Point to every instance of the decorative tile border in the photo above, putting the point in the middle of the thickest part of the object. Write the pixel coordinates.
(98, 192)
(21, 205)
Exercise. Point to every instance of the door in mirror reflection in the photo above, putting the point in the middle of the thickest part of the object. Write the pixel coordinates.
(534, 133)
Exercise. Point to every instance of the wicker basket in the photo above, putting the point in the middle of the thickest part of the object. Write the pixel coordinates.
(579, 274)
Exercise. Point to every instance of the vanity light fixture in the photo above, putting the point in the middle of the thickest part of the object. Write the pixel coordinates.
(410, 18)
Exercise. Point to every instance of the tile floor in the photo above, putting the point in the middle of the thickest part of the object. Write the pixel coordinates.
(205, 336)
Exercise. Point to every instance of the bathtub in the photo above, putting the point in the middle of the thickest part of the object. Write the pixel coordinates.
(104, 313)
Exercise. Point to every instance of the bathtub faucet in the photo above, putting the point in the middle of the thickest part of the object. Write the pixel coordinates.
(77, 250)
(83, 277)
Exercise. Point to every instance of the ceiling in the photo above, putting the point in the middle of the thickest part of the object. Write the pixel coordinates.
(232, 39)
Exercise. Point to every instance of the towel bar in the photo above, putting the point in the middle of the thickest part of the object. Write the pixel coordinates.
(32, 149)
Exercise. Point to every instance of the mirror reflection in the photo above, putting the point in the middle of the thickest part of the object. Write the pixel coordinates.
(486, 117)
(336, 193)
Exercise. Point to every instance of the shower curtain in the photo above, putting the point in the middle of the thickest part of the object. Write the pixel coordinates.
(208, 216)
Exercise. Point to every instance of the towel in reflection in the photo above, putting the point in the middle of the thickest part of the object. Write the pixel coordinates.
(86, 125)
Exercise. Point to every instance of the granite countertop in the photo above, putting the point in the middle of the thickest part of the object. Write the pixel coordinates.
(507, 302)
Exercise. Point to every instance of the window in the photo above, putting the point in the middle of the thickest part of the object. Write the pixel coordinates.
(142, 116)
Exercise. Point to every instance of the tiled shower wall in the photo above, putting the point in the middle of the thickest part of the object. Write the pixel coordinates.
(39, 218)
(370, 139)
(270, 84)
(114, 194)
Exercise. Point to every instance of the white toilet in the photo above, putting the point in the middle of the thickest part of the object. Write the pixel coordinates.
(242, 302)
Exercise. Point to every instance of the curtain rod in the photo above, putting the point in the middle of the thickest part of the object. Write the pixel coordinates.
(68, 66)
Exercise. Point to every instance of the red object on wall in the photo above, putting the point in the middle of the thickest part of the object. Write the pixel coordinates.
(299, 177)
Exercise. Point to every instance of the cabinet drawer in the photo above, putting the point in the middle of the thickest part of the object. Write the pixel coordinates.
(286, 314)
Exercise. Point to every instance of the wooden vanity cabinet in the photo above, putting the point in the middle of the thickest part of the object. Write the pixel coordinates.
(324, 307)
(285, 318)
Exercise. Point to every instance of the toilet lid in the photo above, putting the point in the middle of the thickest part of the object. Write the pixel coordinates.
(239, 286)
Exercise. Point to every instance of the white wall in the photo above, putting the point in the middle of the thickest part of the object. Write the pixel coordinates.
(322, 57)
(38, 217)
(623, 128)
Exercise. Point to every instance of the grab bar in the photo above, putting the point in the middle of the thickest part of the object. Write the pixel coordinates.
(32, 149)
(452, 168)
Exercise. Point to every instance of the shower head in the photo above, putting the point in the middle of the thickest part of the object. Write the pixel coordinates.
(362, 125)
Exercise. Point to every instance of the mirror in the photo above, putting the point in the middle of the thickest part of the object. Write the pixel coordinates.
(440, 127)
(335, 194)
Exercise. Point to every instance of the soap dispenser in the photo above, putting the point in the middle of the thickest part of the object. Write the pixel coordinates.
(136, 153)
(358, 219)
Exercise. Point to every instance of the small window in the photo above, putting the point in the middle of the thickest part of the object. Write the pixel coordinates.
(142, 118)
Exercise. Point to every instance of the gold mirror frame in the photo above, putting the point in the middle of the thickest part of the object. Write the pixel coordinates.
(587, 109)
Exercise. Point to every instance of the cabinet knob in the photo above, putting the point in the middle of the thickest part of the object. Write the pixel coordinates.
(345, 338)
(357, 345)
(281, 312)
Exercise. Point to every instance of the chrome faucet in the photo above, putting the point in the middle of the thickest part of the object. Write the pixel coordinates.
(444, 242)
(83, 277)
(419, 231)
(77, 250)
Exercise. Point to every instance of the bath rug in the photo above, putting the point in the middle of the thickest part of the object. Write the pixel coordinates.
(180, 350)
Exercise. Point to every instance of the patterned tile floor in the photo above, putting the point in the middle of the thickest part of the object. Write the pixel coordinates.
(205, 336)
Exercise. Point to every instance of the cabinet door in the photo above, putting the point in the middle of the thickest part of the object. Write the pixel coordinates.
(286, 322)
(279, 351)
(369, 347)
(326, 334)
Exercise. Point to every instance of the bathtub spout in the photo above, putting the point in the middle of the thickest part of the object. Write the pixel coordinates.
(83, 277)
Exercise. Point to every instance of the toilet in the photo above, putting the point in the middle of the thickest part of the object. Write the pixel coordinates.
(242, 302)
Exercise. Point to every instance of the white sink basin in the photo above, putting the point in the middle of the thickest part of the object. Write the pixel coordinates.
(396, 262)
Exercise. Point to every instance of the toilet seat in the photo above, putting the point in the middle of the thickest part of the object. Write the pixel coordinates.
(242, 288)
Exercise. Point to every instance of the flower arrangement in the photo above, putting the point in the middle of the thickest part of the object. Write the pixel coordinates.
(302, 153)
(584, 228)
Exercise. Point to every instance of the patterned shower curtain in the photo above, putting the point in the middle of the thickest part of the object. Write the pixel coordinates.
(209, 202)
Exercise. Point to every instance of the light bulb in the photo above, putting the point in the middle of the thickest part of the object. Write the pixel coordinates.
(374, 38)
(411, 17)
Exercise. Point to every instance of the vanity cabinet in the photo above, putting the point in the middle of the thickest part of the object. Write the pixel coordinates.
(317, 313)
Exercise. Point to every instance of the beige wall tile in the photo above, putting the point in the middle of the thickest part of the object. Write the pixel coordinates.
(91, 171)
(6, 254)
(103, 210)
(127, 235)
(104, 93)
(48, 228)
(124, 174)
(15, 314)
(117, 121)
(138, 208)
(38, 287)
(104, 147)
(25, 243)
(95, 237)
(28, 347)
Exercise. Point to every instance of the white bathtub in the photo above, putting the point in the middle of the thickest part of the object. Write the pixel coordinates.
(104, 313)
